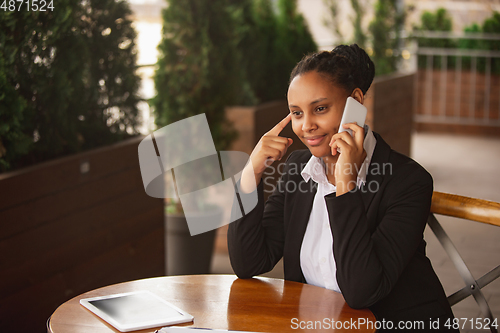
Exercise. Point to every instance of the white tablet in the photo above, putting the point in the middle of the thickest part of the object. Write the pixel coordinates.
(135, 310)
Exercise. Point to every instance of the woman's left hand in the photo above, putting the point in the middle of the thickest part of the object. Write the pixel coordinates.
(350, 159)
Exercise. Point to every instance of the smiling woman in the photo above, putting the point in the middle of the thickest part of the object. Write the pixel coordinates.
(313, 103)
(359, 229)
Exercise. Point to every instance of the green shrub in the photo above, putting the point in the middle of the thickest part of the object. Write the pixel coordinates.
(472, 44)
(490, 26)
(360, 37)
(273, 44)
(199, 66)
(261, 55)
(331, 19)
(67, 80)
(382, 40)
(294, 40)
(385, 33)
(439, 20)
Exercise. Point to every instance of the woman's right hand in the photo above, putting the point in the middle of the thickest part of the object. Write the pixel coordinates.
(271, 147)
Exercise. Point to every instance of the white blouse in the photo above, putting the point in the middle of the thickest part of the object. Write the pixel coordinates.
(317, 260)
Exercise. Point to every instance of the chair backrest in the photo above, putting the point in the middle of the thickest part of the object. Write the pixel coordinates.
(471, 209)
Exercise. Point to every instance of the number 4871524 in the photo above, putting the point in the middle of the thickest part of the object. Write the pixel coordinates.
(470, 323)
(27, 5)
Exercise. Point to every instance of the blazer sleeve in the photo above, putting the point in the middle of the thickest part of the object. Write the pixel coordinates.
(369, 262)
(256, 241)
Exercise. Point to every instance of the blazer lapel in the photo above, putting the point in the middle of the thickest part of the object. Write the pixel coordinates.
(301, 205)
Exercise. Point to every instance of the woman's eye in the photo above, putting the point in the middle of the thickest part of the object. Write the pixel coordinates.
(321, 108)
(296, 113)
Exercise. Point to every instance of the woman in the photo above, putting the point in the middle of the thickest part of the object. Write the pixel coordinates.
(353, 220)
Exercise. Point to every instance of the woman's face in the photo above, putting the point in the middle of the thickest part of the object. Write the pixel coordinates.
(316, 105)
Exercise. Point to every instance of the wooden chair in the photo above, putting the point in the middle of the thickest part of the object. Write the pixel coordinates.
(471, 209)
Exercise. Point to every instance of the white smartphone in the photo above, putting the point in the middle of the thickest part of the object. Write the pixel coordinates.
(353, 112)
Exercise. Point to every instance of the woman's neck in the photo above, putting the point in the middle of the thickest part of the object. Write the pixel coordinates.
(329, 165)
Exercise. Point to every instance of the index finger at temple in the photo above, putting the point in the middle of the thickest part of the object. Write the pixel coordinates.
(276, 130)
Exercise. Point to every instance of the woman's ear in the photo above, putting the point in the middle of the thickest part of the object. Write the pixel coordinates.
(357, 94)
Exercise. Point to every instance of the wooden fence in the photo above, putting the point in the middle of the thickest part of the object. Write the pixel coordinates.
(457, 89)
(463, 100)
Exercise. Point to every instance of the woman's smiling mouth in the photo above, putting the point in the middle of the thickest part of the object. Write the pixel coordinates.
(314, 140)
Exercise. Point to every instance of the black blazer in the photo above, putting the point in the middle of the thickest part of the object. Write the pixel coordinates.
(377, 236)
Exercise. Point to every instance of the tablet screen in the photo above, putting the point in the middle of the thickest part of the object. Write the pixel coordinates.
(135, 310)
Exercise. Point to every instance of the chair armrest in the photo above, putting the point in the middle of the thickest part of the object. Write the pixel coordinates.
(467, 208)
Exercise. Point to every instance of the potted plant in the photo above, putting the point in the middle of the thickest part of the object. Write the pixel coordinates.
(198, 71)
(68, 81)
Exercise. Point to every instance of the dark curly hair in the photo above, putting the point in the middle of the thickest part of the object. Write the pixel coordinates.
(346, 65)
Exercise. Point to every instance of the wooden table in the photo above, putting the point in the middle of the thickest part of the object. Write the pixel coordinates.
(226, 302)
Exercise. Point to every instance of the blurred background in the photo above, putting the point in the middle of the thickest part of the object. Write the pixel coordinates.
(82, 82)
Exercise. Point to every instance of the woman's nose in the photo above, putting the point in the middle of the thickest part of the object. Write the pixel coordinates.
(308, 124)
